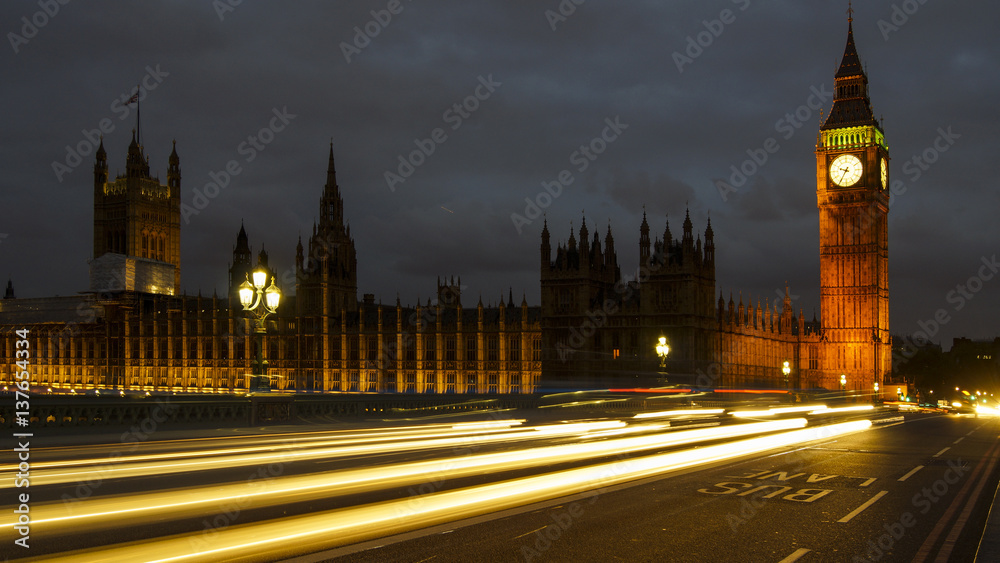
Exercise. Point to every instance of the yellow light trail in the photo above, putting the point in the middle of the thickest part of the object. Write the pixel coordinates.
(267, 445)
(776, 410)
(163, 467)
(681, 412)
(281, 538)
(108, 512)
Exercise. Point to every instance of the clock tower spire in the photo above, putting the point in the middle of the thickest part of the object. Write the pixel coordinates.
(852, 177)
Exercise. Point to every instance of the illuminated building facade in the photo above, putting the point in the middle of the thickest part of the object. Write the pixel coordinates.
(594, 327)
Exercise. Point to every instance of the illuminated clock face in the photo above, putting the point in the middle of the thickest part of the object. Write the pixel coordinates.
(845, 170)
(885, 174)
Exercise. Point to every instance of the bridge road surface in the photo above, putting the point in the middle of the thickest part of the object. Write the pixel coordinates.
(917, 490)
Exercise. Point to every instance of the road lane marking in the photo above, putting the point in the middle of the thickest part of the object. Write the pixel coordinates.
(956, 530)
(861, 508)
(796, 555)
(912, 471)
(959, 440)
(868, 482)
(941, 452)
(925, 549)
(531, 532)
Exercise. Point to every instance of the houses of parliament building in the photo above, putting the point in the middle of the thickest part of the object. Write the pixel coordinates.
(594, 328)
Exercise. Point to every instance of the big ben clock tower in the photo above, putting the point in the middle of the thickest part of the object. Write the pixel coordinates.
(852, 179)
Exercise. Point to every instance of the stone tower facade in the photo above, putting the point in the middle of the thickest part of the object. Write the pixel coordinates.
(599, 328)
(327, 277)
(852, 179)
(137, 225)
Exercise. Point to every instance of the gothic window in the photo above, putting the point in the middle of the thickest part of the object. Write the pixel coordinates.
(514, 349)
(470, 349)
(430, 349)
(492, 348)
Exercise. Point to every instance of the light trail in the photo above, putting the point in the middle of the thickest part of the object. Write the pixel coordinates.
(681, 412)
(163, 467)
(383, 435)
(282, 538)
(776, 410)
(108, 512)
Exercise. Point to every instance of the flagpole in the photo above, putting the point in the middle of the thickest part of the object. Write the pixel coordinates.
(138, 108)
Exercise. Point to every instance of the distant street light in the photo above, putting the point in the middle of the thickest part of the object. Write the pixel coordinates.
(843, 382)
(786, 369)
(266, 303)
(662, 349)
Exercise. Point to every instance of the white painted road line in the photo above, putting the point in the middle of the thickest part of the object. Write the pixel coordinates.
(796, 555)
(861, 508)
(868, 482)
(959, 440)
(941, 452)
(912, 471)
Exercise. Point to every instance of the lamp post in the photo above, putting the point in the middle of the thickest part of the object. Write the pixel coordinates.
(843, 382)
(786, 369)
(876, 390)
(662, 349)
(260, 300)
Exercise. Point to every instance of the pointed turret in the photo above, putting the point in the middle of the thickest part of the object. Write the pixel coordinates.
(331, 204)
(100, 166)
(9, 294)
(688, 230)
(644, 240)
(174, 172)
(136, 165)
(709, 244)
(299, 255)
(242, 265)
(851, 104)
(546, 248)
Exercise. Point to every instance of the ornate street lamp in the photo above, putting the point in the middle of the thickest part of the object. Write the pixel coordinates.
(259, 302)
(843, 382)
(662, 349)
(786, 369)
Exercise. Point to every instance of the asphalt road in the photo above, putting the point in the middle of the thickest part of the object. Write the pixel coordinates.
(898, 492)
(907, 489)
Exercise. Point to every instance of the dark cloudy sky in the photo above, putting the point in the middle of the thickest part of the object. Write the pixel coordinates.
(220, 75)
